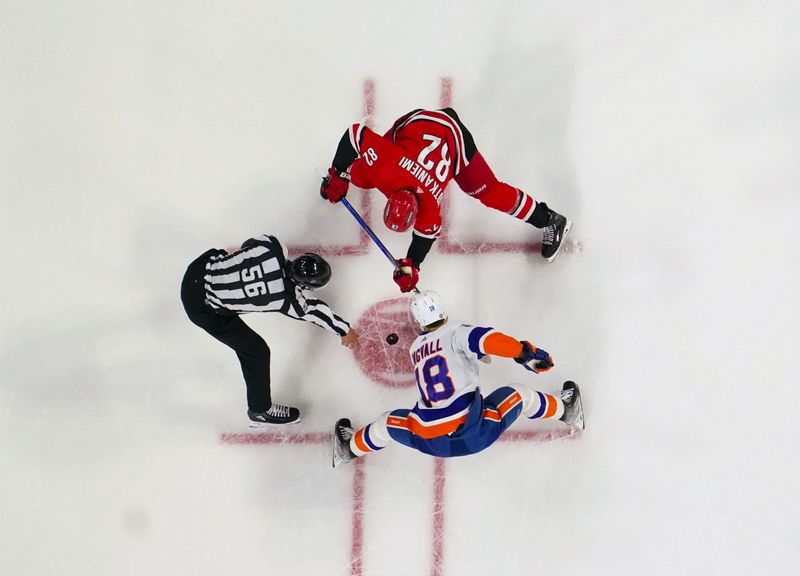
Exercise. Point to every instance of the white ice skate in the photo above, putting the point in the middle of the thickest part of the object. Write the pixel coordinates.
(342, 433)
(573, 405)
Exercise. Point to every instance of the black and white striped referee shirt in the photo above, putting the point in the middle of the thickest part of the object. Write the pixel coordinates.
(253, 279)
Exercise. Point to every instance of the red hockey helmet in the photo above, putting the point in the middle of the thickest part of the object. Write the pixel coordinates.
(401, 210)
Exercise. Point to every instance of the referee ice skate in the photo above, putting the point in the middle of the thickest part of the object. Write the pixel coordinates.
(219, 286)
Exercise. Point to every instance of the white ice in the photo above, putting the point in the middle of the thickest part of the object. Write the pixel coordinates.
(136, 135)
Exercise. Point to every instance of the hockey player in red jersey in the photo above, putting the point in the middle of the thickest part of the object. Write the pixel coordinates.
(412, 164)
(451, 417)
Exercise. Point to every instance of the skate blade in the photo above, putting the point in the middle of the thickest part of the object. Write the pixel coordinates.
(338, 457)
(335, 457)
(580, 422)
(337, 460)
(567, 228)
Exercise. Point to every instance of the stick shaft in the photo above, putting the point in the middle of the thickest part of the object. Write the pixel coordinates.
(370, 233)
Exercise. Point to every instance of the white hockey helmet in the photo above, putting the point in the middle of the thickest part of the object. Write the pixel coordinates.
(426, 308)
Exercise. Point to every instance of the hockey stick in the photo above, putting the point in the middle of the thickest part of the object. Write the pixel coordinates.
(372, 235)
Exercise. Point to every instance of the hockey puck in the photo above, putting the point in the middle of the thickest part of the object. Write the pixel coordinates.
(392, 338)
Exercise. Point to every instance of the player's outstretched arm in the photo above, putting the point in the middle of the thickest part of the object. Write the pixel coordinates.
(487, 341)
(318, 312)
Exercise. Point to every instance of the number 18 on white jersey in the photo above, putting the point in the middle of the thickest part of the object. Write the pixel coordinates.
(446, 363)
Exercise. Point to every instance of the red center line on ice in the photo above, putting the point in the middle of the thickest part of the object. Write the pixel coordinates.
(356, 523)
(279, 438)
(438, 516)
(272, 438)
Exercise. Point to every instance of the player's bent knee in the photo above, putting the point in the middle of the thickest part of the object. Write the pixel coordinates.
(381, 429)
(500, 196)
(476, 177)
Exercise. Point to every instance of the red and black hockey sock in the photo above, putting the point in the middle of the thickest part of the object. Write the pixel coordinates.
(540, 216)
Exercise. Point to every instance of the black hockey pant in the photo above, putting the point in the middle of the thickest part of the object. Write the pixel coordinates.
(232, 331)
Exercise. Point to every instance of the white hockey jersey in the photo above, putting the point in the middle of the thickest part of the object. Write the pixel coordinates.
(446, 366)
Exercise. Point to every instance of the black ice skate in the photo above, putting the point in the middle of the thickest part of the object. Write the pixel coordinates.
(342, 432)
(277, 414)
(554, 234)
(573, 406)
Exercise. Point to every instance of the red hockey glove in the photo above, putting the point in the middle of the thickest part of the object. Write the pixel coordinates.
(534, 359)
(334, 185)
(408, 275)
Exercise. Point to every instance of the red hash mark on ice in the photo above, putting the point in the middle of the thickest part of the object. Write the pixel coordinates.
(359, 480)
(444, 244)
(365, 206)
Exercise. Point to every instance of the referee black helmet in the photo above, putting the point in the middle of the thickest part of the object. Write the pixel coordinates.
(310, 271)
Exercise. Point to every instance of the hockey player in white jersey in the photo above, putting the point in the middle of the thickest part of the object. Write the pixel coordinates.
(451, 417)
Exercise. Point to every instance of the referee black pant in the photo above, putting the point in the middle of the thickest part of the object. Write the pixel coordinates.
(232, 331)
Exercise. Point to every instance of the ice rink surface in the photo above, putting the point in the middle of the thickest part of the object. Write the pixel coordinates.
(136, 135)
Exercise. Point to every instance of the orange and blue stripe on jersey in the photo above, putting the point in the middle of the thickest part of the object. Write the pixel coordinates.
(496, 415)
(434, 422)
(485, 420)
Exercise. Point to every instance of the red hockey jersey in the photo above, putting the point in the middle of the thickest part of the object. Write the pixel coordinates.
(423, 151)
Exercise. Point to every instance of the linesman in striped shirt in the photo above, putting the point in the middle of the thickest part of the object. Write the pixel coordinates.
(220, 286)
